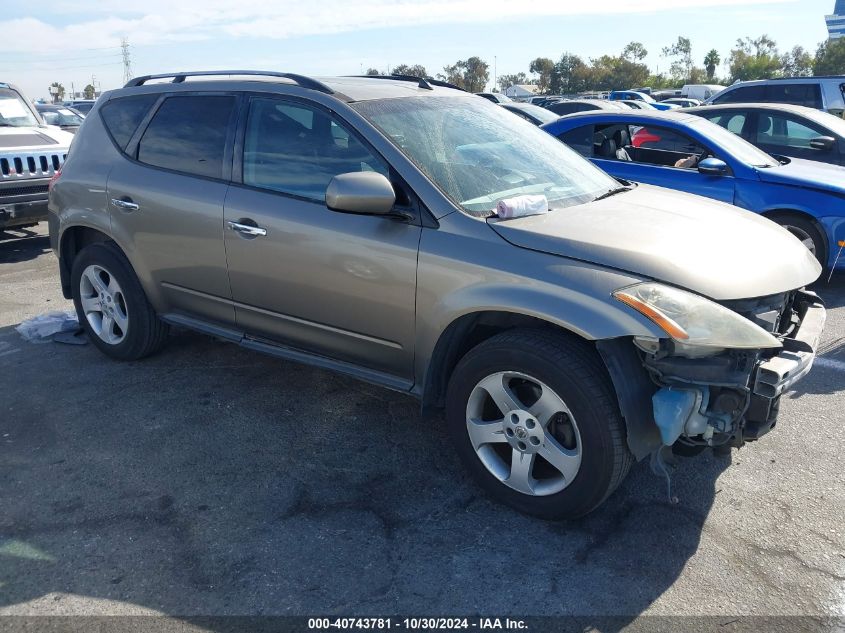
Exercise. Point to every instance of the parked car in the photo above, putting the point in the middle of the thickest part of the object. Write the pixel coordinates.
(360, 237)
(496, 97)
(637, 105)
(686, 152)
(633, 95)
(60, 116)
(532, 113)
(821, 93)
(700, 92)
(30, 155)
(562, 108)
(81, 105)
(682, 102)
(783, 129)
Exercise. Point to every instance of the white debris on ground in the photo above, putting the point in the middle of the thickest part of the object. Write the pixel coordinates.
(42, 328)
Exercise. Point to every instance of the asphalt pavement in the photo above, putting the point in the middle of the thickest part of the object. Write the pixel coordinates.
(212, 480)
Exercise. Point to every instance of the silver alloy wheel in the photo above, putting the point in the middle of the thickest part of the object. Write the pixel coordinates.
(104, 304)
(802, 235)
(512, 420)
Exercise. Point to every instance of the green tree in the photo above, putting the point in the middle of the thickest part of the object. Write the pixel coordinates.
(416, 70)
(543, 67)
(570, 76)
(470, 74)
(755, 59)
(88, 92)
(711, 62)
(373, 71)
(614, 73)
(797, 63)
(681, 68)
(634, 52)
(830, 58)
(59, 95)
(506, 81)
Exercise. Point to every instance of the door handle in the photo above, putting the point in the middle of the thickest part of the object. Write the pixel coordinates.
(246, 229)
(125, 205)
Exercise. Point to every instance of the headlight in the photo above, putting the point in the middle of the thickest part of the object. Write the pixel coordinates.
(693, 320)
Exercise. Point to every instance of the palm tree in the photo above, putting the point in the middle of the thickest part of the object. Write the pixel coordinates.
(59, 94)
(711, 61)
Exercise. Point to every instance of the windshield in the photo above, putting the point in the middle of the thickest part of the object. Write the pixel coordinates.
(541, 114)
(736, 146)
(478, 153)
(60, 116)
(14, 111)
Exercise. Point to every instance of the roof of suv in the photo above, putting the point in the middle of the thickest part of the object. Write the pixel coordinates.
(345, 88)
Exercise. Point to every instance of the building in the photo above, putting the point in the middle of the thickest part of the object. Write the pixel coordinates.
(836, 22)
(521, 92)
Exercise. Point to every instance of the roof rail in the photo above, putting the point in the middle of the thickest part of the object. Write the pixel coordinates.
(179, 77)
(422, 82)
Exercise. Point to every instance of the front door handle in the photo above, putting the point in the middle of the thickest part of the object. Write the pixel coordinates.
(247, 229)
(125, 205)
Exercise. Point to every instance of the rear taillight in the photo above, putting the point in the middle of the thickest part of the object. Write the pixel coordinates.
(54, 179)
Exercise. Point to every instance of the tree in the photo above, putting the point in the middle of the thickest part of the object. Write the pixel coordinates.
(797, 63)
(711, 62)
(59, 95)
(373, 71)
(416, 70)
(830, 58)
(506, 81)
(470, 74)
(681, 68)
(755, 59)
(544, 67)
(88, 92)
(570, 76)
(634, 52)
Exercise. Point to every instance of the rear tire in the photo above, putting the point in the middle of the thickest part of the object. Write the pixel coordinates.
(111, 304)
(806, 231)
(574, 420)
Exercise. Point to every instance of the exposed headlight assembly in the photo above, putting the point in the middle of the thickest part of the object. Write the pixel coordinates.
(692, 320)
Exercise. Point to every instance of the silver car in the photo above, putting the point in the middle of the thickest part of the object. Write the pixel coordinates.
(350, 223)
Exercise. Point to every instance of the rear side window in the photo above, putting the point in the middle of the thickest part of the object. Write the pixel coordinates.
(805, 94)
(746, 94)
(122, 116)
(188, 134)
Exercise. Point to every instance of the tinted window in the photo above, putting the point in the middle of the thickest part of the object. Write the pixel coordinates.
(732, 121)
(747, 94)
(298, 150)
(188, 134)
(580, 139)
(565, 108)
(122, 116)
(809, 95)
(780, 131)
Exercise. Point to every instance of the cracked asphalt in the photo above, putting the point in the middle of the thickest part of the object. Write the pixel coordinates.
(212, 480)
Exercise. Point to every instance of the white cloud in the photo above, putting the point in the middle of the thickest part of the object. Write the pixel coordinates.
(159, 21)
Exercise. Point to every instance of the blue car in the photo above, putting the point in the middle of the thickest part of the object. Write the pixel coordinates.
(633, 95)
(685, 152)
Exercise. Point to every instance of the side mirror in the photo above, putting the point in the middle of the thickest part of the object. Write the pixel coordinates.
(713, 167)
(824, 143)
(365, 192)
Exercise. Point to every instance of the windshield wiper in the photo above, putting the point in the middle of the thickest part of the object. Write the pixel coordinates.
(612, 192)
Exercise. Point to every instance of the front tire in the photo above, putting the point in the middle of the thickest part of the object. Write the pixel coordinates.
(806, 231)
(111, 304)
(535, 418)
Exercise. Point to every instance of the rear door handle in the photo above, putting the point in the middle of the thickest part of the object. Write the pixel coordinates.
(125, 205)
(246, 229)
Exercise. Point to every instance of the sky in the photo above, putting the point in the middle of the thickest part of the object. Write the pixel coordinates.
(73, 41)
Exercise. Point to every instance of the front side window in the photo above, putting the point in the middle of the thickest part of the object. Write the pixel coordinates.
(804, 94)
(188, 134)
(14, 111)
(580, 139)
(477, 153)
(745, 94)
(781, 131)
(297, 150)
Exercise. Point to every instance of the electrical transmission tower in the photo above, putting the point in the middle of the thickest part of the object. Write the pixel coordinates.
(127, 62)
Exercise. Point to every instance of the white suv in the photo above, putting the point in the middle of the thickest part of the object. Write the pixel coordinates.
(821, 93)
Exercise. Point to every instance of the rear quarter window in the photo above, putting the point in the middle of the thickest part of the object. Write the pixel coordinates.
(123, 116)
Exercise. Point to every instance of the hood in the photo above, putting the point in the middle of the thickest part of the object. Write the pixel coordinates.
(48, 136)
(712, 248)
(809, 174)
